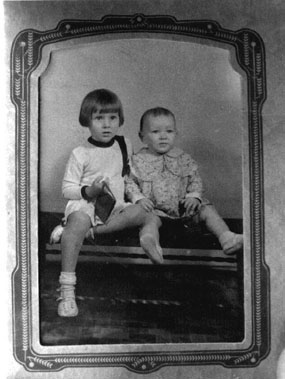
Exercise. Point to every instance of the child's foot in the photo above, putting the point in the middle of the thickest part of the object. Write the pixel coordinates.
(90, 234)
(151, 248)
(67, 306)
(231, 242)
(56, 234)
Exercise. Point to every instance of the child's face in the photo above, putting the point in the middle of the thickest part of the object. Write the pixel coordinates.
(159, 133)
(104, 126)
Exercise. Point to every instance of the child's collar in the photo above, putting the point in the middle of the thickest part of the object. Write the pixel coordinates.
(175, 152)
(101, 144)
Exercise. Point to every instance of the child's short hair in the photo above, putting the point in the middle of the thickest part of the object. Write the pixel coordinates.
(100, 100)
(157, 111)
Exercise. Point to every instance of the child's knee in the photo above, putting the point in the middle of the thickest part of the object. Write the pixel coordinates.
(151, 218)
(135, 214)
(78, 222)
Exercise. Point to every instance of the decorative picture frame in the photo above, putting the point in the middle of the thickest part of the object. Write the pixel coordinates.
(26, 55)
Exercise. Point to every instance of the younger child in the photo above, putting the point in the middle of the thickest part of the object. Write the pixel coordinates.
(165, 180)
(99, 163)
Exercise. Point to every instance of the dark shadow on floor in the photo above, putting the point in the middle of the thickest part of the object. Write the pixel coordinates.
(143, 304)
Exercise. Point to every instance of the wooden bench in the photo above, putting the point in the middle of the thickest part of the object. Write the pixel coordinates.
(199, 248)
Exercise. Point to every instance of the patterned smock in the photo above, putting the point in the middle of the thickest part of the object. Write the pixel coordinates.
(164, 179)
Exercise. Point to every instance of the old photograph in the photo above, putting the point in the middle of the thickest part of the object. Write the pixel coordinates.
(140, 149)
(124, 293)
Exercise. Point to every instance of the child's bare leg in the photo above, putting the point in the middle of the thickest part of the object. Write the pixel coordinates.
(78, 223)
(230, 242)
(129, 217)
(149, 238)
(135, 216)
(73, 235)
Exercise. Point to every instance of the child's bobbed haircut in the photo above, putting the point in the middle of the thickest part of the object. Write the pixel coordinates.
(102, 101)
(155, 112)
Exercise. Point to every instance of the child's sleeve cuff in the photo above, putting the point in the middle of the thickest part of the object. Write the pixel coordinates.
(84, 194)
(196, 195)
(136, 198)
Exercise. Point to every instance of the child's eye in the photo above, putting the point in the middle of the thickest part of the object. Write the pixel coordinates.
(154, 131)
(99, 118)
(115, 117)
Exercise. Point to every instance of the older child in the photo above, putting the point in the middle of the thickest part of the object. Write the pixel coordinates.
(91, 168)
(165, 180)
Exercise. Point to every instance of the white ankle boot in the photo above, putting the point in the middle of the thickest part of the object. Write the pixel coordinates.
(67, 306)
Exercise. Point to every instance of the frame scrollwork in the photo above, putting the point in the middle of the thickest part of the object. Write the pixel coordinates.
(25, 57)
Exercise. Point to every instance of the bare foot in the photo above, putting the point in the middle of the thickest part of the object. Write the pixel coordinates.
(151, 248)
(231, 242)
(56, 234)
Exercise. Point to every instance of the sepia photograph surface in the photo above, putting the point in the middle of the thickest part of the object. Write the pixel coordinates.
(199, 299)
(127, 299)
(202, 305)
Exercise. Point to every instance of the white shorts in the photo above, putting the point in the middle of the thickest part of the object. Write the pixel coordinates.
(88, 207)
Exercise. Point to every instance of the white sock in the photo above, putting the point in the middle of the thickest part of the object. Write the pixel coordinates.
(68, 278)
(67, 282)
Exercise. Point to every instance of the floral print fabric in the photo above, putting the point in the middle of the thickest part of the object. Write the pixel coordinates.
(165, 179)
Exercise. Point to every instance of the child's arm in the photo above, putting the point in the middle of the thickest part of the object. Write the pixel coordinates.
(194, 189)
(132, 189)
(72, 186)
(146, 204)
(134, 193)
(91, 192)
(191, 205)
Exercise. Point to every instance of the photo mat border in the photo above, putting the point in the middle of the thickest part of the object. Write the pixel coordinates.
(25, 57)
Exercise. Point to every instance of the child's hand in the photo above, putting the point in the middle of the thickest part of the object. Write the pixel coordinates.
(96, 187)
(191, 205)
(146, 204)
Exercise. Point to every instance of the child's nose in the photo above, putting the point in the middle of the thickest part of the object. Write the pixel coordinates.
(107, 122)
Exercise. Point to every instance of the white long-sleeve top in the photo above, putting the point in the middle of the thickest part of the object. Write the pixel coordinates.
(87, 162)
